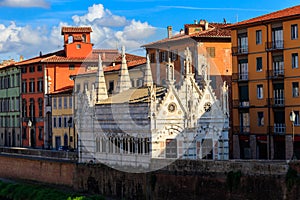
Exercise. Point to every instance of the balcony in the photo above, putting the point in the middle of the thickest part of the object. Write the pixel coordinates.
(242, 76)
(274, 45)
(241, 50)
(276, 74)
(278, 128)
(241, 130)
(277, 102)
(240, 104)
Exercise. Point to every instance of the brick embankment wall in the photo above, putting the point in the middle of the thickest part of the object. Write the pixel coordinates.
(183, 179)
(37, 169)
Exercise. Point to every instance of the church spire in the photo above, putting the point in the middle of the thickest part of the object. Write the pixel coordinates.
(148, 81)
(188, 61)
(101, 90)
(124, 82)
(170, 78)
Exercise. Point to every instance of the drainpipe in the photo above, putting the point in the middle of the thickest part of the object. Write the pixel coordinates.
(269, 100)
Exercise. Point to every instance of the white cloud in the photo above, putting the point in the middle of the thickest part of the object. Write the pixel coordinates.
(109, 31)
(24, 3)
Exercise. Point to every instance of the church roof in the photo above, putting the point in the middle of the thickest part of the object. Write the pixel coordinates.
(134, 95)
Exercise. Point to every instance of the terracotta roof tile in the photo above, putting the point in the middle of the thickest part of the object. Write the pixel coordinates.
(215, 30)
(65, 90)
(287, 12)
(66, 29)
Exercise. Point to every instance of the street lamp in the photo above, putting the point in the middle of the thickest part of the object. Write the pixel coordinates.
(69, 125)
(292, 119)
(29, 124)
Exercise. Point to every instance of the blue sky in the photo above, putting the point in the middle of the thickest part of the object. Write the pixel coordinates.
(30, 26)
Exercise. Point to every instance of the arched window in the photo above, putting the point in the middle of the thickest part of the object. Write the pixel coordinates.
(70, 39)
(84, 38)
(40, 101)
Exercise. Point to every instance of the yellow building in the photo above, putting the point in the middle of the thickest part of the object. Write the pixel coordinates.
(265, 87)
(63, 134)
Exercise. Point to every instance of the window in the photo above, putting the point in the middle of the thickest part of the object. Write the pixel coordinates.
(260, 91)
(65, 122)
(17, 79)
(294, 60)
(71, 66)
(174, 54)
(17, 106)
(40, 133)
(54, 122)
(24, 108)
(294, 31)
(70, 102)
(77, 88)
(31, 69)
(31, 85)
(163, 56)
(40, 101)
(259, 64)
(70, 121)
(31, 108)
(211, 52)
(258, 37)
(295, 89)
(59, 122)
(260, 118)
(54, 103)
(23, 70)
(297, 122)
(152, 57)
(59, 102)
(24, 86)
(39, 68)
(84, 38)
(86, 86)
(78, 46)
(40, 85)
(65, 102)
(111, 87)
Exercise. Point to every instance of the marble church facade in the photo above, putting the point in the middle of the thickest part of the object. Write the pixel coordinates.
(136, 125)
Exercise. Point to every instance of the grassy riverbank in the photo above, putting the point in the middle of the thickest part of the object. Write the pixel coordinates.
(24, 191)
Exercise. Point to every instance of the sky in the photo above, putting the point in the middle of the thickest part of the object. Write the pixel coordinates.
(28, 27)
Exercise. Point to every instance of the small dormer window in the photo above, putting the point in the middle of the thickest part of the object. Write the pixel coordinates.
(78, 46)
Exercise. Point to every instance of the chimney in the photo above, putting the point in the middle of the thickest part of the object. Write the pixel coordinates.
(206, 25)
(195, 21)
(169, 31)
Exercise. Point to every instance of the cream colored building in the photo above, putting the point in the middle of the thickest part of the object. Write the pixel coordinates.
(62, 118)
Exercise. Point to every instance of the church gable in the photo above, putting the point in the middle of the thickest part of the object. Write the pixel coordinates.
(171, 107)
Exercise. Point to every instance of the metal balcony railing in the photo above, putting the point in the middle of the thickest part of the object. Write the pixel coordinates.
(279, 128)
(275, 45)
(242, 76)
(240, 50)
(241, 129)
(240, 104)
(277, 102)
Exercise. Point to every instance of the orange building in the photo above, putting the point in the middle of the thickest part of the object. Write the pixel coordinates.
(265, 88)
(207, 41)
(48, 73)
